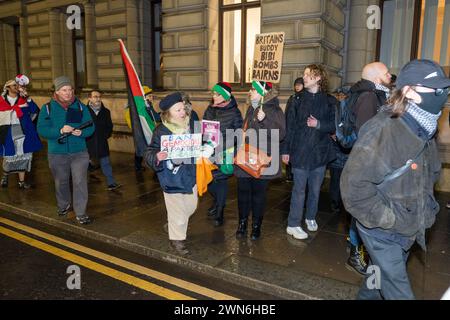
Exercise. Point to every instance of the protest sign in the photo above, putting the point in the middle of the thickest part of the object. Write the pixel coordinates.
(211, 131)
(180, 146)
(268, 57)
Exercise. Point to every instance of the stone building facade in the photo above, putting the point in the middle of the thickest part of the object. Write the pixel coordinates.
(35, 40)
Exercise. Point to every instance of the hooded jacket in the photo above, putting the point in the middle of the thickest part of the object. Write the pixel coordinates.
(368, 103)
(404, 205)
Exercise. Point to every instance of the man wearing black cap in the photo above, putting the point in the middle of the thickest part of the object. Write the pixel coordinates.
(387, 183)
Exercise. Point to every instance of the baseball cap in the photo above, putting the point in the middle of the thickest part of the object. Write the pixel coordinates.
(424, 73)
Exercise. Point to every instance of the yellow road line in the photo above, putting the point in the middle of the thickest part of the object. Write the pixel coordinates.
(122, 263)
(121, 276)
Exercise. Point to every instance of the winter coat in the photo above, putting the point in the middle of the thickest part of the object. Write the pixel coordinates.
(175, 180)
(274, 119)
(368, 103)
(405, 205)
(230, 117)
(52, 119)
(32, 143)
(310, 148)
(98, 143)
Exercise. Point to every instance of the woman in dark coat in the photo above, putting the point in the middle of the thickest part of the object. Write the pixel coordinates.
(223, 109)
(269, 117)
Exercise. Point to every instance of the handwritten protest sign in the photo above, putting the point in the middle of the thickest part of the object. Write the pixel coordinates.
(180, 146)
(268, 57)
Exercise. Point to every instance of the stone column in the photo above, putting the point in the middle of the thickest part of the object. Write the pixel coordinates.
(132, 43)
(362, 41)
(25, 55)
(56, 48)
(91, 45)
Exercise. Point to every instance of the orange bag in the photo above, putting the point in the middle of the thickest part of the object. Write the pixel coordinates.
(251, 159)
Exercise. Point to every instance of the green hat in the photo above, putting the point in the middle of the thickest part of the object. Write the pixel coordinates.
(262, 87)
(224, 89)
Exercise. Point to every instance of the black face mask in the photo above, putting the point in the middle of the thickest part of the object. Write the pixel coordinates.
(432, 102)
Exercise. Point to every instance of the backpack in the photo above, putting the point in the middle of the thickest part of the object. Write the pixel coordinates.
(345, 121)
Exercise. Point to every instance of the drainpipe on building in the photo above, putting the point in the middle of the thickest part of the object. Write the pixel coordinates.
(344, 51)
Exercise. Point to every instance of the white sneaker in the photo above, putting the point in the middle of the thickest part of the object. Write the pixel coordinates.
(311, 225)
(297, 233)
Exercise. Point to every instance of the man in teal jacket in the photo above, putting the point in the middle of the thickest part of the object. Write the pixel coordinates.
(62, 116)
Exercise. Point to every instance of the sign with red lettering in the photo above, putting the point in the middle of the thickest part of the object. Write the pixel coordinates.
(181, 146)
(268, 57)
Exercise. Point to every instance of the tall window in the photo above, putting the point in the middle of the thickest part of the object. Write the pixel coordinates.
(415, 29)
(157, 44)
(240, 22)
(79, 55)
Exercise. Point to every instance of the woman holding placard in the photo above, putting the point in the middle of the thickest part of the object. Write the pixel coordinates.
(224, 113)
(177, 177)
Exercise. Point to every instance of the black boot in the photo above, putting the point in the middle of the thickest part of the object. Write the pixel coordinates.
(242, 228)
(356, 260)
(212, 211)
(4, 181)
(218, 220)
(256, 230)
(335, 207)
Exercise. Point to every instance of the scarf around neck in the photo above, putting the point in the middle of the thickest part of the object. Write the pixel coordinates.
(176, 128)
(428, 121)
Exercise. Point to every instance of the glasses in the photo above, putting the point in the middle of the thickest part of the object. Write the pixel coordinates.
(437, 92)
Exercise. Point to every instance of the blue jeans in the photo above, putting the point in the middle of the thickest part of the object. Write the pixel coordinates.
(314, 179)
(355, 239)
(390, 258)
(105, 164)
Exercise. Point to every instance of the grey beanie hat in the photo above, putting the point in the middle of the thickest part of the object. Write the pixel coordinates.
(61, 82)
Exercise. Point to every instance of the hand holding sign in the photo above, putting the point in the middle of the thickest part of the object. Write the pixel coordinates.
(161, 156)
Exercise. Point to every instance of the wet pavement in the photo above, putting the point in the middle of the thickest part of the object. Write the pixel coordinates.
(133, 216)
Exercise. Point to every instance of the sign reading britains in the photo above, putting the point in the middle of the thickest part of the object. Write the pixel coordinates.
(268, 57)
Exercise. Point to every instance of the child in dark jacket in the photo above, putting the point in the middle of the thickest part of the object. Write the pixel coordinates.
(223, 109)
(178, 177)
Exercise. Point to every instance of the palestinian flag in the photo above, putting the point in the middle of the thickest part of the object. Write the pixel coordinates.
(141, 122)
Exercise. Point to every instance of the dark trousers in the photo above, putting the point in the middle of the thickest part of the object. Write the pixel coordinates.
(138, 162)
(390, 258)
(252, 197)
(219, 191)
(335, 189)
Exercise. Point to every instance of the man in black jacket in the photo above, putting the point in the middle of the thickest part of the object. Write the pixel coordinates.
(308, 147)
(372, 92)
(97, 144)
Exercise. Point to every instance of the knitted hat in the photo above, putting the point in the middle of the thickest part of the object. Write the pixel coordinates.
(22, 80)
(224, 89)
(147, 90)
(262, 87)
(61, 82)
(168, 101)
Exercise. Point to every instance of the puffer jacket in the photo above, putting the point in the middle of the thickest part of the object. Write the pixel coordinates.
(230, 117)
(181, 180)
(404, 205)
(310, 148)
(274, 120)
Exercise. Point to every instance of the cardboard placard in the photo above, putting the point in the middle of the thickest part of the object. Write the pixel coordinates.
(181, 146)
(268, 57)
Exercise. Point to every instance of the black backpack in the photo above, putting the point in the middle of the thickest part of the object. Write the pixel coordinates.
(345, 121)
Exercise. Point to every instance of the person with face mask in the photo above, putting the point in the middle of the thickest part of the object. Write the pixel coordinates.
(387, 182)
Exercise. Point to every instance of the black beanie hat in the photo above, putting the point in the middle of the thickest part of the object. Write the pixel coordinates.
(168, 101)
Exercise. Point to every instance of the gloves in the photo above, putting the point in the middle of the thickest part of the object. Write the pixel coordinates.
(207, 150)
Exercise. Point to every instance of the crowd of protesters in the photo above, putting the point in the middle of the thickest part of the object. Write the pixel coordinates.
(384, 180)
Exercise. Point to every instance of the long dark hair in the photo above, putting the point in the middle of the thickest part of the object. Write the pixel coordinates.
(398, 102)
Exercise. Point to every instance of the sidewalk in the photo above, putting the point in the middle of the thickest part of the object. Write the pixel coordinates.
(133, 216)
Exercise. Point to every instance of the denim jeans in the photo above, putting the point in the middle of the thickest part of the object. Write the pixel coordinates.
(105, 164)
(390, 258)
(314, 179)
